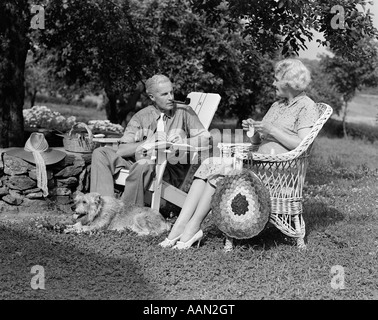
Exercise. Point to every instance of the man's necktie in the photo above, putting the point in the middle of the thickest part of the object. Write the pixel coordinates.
(159, 128)
(160, 123)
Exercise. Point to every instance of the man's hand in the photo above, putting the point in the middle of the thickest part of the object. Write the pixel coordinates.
(142, 153)
(175, 138)
(160, 136)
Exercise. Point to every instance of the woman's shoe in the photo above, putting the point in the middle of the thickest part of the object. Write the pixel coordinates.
(168, 243)
(186, 245)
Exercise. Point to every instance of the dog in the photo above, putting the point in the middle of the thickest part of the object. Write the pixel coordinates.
(96, 212)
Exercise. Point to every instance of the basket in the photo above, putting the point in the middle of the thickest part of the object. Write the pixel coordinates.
(79, 142)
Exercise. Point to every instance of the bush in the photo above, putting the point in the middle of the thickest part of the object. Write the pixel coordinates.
(43, 117)
(334, 128)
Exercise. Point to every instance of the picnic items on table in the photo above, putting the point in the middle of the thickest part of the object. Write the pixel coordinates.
(37, 151)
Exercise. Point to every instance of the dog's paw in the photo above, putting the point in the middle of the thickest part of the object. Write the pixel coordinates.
(74, 228)
(70, 228)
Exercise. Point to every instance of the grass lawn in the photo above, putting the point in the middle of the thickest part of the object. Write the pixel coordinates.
(341, 214)
(82, 113)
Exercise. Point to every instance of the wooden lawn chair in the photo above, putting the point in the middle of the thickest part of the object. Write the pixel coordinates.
(205, 105)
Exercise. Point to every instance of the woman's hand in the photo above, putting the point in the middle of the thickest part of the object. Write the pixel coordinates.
(264, 128)
(247, 123)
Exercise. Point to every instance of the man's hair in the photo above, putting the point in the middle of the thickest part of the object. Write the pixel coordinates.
(293, 73)
(152, 82)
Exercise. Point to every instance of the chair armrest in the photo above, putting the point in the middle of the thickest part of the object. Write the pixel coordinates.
(106, 140)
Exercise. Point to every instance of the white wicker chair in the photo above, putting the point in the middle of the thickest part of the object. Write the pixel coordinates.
(284, 175)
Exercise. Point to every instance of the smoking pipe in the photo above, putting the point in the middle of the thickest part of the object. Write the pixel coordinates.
(187, 101)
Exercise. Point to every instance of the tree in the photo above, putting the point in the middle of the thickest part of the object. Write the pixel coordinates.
(96, 42)
(176, 42)
(285, 25)
(210, 45)
(321, 89)
(222, 46)
(37, 76)
(242, 38)
(210, 57)
(15, 25)
(349, 76)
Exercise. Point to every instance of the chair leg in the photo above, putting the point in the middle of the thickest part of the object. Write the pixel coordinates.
(160, 167)
(301, 243)
(300, 228)
(228, 245)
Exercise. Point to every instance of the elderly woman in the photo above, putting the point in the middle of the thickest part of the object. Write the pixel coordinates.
(282, 129)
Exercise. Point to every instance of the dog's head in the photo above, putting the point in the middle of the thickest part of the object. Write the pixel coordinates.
(87, 206)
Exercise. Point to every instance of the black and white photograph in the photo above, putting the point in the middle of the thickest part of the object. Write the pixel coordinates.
(188, 156)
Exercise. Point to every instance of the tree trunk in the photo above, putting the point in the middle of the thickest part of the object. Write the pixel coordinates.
(344, 119)
(117, 108)
(111, 106)
(132, 102)
(33, 97)
(14, 45)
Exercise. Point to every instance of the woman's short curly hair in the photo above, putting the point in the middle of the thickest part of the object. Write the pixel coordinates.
(152, 82)
(293, 73)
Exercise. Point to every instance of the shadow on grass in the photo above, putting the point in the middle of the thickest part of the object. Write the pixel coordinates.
(72, 270)
(269, 237)
(317, 216)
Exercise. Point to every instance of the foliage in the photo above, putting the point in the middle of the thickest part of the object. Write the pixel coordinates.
(41, 117)
(258, 93)
(96, 42)
(348, 76)
(36, 76)
(285, 25)
(320, 88)
(214, 46)
(206, 45)
(176, 41)
(104, 40)
(14, 44)
(209, 57)
(42, 83)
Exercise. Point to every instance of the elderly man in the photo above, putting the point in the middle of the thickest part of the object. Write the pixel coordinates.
(164, 117)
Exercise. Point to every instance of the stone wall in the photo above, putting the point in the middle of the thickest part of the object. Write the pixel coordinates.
(18, 181)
